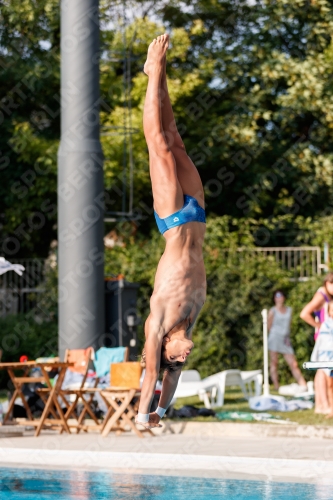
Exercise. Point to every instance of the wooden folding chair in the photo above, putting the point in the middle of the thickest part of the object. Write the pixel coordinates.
(125, 380)
(18, 383)
(81, 359)
(51, 392)
(86, 395)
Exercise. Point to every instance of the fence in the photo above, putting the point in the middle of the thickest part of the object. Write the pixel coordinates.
(23, 293)
(302, 262)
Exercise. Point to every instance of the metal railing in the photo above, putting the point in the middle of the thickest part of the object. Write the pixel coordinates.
(23, 293)
(20, 294)
(302, 262)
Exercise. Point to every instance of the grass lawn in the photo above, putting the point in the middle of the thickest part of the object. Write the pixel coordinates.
(234, 401)
(3, 396)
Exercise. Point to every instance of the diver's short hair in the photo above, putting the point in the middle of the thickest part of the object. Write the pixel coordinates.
(165, 364)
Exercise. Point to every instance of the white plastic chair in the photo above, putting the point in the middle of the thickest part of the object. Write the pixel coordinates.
(190, 384)
(253, 376)
(190, 376)
(211, 390)
(227, 378)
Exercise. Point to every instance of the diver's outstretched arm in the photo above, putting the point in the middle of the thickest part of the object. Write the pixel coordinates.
(169, 386)
(170, 382)
(153, 359)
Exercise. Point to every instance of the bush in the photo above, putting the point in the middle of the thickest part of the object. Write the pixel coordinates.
(21, 334)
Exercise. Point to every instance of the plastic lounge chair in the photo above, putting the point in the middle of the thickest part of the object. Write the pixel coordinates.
(211, 389)
(227, 378)
(191, 384)
(251, 376)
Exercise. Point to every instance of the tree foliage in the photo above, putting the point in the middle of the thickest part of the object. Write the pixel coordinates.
(251, 85)
(268, 136)
(30, 113)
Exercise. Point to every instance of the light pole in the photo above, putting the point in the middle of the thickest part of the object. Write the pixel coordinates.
(264, 314)
(80, 180)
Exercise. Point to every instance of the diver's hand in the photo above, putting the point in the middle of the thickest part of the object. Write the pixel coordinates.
(154, 420)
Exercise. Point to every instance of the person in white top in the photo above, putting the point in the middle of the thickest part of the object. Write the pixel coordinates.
(323, 351)
(315, 313)
(279, 320)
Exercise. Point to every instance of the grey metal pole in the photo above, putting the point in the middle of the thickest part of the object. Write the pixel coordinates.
(80, 181)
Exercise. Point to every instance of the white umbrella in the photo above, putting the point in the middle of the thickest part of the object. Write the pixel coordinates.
(264, 315)
(266, 400)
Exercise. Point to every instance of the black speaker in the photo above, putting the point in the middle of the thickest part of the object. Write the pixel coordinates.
(121, 317)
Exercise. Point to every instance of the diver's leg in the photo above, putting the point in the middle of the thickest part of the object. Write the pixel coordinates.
(170, 129)
(187, 173)
(167, 192)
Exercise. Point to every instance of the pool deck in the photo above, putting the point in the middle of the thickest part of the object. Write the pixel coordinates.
(200, 453)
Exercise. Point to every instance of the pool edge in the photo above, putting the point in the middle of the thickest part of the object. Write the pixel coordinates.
(270, 468)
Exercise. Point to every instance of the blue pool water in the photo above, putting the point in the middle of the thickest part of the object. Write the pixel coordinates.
(22, 484)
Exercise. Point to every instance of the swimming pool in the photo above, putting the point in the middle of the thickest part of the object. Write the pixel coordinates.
(25, 484)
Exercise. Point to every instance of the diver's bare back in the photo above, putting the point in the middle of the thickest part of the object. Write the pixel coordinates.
(180, 281)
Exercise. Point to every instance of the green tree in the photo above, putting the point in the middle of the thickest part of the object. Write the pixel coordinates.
(251, 89)
(265, 147)
(30, 116)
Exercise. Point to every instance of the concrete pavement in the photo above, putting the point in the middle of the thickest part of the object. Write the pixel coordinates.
(258, 456)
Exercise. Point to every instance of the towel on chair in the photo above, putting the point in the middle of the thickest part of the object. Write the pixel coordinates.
(107, 355)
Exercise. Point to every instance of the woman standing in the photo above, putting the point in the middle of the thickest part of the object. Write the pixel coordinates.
(279, 320)
(315, 313)
(180, 281)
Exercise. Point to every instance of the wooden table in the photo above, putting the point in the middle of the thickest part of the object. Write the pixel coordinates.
(52, 405)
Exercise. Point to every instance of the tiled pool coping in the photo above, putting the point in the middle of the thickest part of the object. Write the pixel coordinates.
(265, 467)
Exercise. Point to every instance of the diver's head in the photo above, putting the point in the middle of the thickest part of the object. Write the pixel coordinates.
(174, 352)
(175, 349)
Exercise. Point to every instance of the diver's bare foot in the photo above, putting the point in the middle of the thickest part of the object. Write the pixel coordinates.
(156, 53)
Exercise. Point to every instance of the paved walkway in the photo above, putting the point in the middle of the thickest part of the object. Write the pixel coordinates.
(288, 458)
(256, 447)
